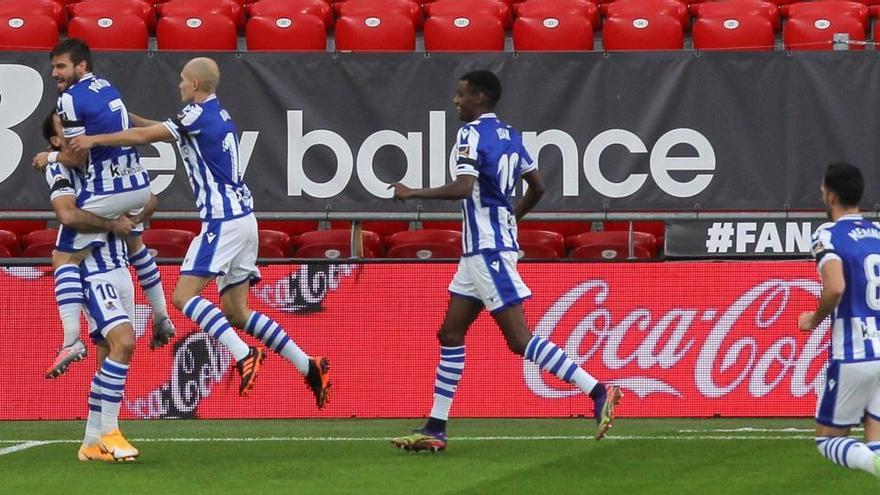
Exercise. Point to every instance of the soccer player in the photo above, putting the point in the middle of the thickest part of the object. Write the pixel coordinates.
(109, 299)
(488, 161)
(116, 184)
(226, 249)
(847, 253)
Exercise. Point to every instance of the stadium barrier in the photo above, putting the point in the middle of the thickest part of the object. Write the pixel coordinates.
(689, 339)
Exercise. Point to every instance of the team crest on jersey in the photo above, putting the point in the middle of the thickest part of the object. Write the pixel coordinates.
(110, 306)
(818, 248)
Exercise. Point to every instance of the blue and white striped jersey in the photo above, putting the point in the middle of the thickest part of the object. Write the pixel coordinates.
(111, 255)
(493, 152)
(208, 142)
(856, 243)
(93, 106)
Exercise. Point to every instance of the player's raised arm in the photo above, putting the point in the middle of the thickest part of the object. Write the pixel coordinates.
(129, 137)
(461, 188)
(138, 121)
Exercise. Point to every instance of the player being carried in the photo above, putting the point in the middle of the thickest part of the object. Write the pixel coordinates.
(847, 253)
(226, 249)
(109, 303)
(115, 184)
(488, 161)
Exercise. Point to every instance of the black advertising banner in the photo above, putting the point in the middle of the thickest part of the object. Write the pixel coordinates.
(619, 132)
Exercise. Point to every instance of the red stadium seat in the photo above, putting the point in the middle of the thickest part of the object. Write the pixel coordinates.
(101, 8)
(657, 229)
(292, 227)
(442, 225)
(642, 32)
(293, 8)
(22, 227)
(564, 228)
(110, 32)
(424, 237)
(826, 10)
(538, 8)
(194, 226)
(611, 245)
(24, 31)
(424, 251)
(458, 8)
(39, 237)
(331, 250)
(166, 249)
(647, 9)
(381, 227)
(9, 241)
(534, 241)
(195, 8)
(4, 252)
(300, 32)
(372, 241)
(389, 32)
(472, 32)
(278, 239)
(735, 32)
(270, 251)
(167, 236)
(197, 32)
(537, 252)
(366, 8)
(737, 8)
(49, 8)
(562, 32)
(39, 250)
(809, 30)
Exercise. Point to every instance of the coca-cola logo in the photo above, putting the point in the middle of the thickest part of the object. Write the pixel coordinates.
(725, 359)
(304, 290)
(199, 362)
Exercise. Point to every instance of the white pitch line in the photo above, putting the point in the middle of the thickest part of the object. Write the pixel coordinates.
(758, 430)
(25, 445)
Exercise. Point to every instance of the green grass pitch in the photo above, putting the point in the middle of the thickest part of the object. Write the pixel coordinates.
(531, 456)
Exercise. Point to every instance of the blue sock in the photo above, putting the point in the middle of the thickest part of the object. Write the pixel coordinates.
(448, 374)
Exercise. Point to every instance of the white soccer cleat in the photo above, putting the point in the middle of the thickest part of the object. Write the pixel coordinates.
(66, 355)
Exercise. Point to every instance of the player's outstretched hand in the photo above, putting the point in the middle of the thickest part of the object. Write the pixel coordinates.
(122, 226)
(41, 160)
(401, 192)
(805, 321)
(83, 142)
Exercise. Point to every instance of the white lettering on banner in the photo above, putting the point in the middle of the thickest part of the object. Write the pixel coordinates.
(21, 89)
(722, 236)
(362, 162)
(717, 353)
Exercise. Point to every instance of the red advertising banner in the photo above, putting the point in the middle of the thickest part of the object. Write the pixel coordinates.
(682, 339)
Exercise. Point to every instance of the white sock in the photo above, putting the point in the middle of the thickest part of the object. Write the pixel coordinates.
(211, 320)
(70, 299)
(111, 379)
(847, 452)
(151, 282)
(270, 333)
(93, 423)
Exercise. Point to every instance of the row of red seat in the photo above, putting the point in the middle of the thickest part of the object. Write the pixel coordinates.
(335, 243)
(451, 25)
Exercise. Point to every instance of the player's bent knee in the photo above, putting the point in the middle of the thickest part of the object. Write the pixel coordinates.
(517, 346)
(180, 298)
(237, 318)
(122, 342)
(449, 337)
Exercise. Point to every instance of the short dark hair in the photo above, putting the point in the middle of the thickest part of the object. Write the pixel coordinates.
(49, 126)
(846, 181)
(76, 48)
(486, 82)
